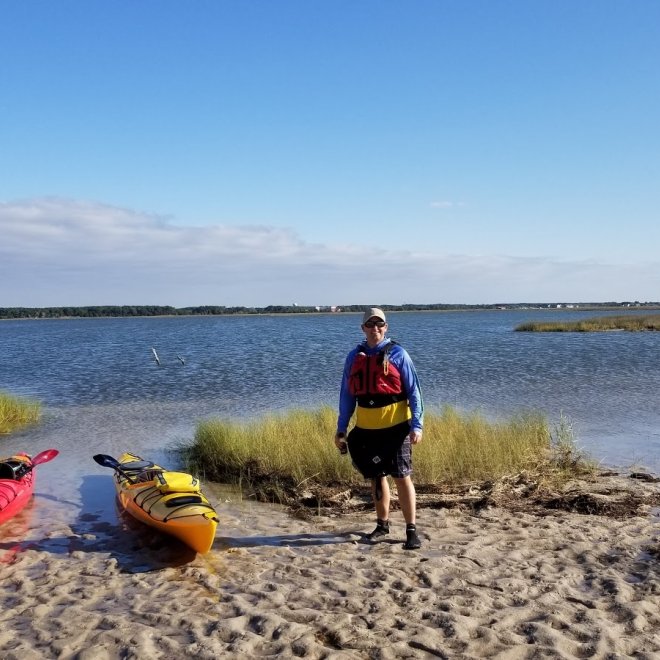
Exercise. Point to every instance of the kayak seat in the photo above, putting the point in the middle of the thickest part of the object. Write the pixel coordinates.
(136, 466)
(6, 471)
(12, 469)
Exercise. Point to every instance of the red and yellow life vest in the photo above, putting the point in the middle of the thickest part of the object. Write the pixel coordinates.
(376, 383)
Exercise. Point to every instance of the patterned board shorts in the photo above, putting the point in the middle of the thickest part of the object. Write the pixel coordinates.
(381, 452)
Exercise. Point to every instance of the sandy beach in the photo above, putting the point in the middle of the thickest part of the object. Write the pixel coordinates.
(498, 582)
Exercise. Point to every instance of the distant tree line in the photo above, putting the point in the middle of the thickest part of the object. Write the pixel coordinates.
(98, 311)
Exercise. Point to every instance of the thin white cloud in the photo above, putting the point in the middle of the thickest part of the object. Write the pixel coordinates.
(65, 252)
(446, 204)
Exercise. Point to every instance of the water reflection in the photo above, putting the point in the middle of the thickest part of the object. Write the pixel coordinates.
(104, 391)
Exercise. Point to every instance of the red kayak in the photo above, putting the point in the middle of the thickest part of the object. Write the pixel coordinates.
(17, 481)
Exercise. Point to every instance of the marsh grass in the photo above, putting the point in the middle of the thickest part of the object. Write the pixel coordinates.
(16, 412)
(457, 448)
(288, 450)
(632, 323)
(295, 449)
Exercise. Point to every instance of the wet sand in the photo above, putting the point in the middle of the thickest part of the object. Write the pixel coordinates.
(496, 583)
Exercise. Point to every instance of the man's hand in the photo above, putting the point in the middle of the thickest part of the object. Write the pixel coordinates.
(415, 436)
(340, 442)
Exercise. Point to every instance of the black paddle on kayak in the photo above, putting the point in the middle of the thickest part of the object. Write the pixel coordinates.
(108, 461)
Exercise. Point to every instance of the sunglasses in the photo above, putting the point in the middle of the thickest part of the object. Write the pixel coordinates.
(375, 324)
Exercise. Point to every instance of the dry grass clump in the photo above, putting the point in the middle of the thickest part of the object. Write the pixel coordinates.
(292, 448)
(632, 323)
(16, 412)
(457, 448)
(297, 448)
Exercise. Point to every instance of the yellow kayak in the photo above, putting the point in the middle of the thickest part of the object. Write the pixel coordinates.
(171, 502)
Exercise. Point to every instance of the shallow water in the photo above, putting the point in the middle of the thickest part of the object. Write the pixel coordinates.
(103, 391)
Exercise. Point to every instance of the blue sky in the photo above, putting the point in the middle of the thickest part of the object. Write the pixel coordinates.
(328, 152)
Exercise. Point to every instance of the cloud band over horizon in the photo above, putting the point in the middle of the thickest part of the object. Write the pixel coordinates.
(61, 252)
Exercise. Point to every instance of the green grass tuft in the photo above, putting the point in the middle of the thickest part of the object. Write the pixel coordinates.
(16, 412)
(297, 447)
(636, 323)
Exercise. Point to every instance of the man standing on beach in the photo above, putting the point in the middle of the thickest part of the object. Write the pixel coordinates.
(380, 381)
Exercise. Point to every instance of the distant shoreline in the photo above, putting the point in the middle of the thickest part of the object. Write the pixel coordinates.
(145, 311)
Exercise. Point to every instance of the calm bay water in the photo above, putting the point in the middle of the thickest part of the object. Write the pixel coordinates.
(103, 391)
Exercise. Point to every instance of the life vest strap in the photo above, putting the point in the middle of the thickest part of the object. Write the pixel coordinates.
(379, 400)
